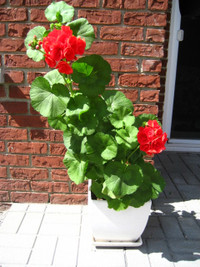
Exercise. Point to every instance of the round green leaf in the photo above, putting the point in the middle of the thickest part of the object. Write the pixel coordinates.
(122, 179)
(81, 28)
(58, 123)
(59, 10)
(92, 73)
(77, 105)
(77, 167)
(127, 137)
(103, 145)
(116, 100)
(50, 102)
(122, 117)
(34, 54)
(54, 77)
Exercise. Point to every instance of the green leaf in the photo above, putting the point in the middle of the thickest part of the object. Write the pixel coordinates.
(81, 28)
(116, 100)
(92, 73)
(122, 179)
(127, 137)
(77, 167)
(122, 117)
(50, 102)
(54, 77)
(141, 120)
(34, 54)
(77, 105)
(85, 124)
(72, 142)
(59, 10)
(103, 145)
(58, 123)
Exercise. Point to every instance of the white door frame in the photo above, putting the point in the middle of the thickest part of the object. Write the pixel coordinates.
(174, 144)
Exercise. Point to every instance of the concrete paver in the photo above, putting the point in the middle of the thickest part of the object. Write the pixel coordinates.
(60, 235)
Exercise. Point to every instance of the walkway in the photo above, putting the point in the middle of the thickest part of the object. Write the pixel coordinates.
(59, 235)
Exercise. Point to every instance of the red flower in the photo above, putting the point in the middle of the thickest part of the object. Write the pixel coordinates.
(64, 67)
(61, 44)
(151, 138)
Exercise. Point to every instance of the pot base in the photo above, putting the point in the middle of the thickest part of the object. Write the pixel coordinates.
(117, 244)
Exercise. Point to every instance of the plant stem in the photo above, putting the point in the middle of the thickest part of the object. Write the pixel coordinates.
(69, 85)
(133, 152)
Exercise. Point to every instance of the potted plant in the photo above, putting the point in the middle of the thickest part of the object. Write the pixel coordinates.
(105, 142)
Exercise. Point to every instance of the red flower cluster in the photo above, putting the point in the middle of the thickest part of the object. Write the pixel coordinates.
(60, 47)
(151, 138)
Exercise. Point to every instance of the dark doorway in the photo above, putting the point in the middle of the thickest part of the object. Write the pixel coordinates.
(186, 110)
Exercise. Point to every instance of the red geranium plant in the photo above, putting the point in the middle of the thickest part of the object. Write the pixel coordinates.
(105, 142)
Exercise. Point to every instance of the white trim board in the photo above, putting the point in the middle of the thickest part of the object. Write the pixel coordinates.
(174, 144)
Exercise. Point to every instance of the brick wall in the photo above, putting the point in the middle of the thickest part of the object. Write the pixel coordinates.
(131, 34)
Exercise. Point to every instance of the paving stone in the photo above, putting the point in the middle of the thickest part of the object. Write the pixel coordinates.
(9, 255)
(159, 254)
(137, 257)
(189, 191)
(31, 223)
(12, 222)
(171, 227)
(185, 246)
(190, 228)
(17, 240)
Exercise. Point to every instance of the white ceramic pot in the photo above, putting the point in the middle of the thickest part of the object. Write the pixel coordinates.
(117, 226)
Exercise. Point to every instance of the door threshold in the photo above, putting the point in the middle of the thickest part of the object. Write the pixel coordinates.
(183, 145)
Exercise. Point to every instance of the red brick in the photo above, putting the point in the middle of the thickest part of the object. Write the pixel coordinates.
(40, 135)
(68, 199)
(2, 29)
(49, 162)
(13, 14)
(4, 196)
(22, 61)
(57, 149)
(121, 33)
(11, 45)
(103, 48)
(41, 186)
(127, 4)
(27, 147)
(149, 96)
(32, 174)
(36, 3)
(13, 134)
(13, 107)
(14, 185)
(145, 19)
(158, 4)
(131, 94)
(32, 75)
(56, 136)
(2, 2)
(84, 3)
(60, 187)
(14, 76)
(150, 65)
(21, 92)
(112, 81)
(59, 175)
(155, 35)
(16, 2)
(81, 188)
(3, 120)
(38, 15)
(22, 197)
(101, 16)
(3, 172)
(123, 64)
(33, 111)
(18, 160)
(139, 80)
(2, 146)
(144, 108)
(2, 91)
(21, 30)
(27, 121)
(143, 50)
